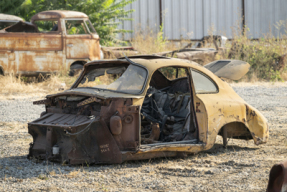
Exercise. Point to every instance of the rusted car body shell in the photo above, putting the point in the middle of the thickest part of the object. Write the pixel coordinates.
(278, 178)
(214, 111)
(44, 52)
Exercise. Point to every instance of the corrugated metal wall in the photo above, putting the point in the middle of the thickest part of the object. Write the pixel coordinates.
(145, 16)
(262, 17)
(193, 19)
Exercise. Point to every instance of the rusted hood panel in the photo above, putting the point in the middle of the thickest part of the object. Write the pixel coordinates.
(229, 69)
(102, 94)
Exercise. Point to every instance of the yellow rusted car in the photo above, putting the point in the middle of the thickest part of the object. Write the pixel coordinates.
(143, 107)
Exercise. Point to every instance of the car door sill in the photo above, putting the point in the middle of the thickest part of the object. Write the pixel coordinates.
(188, 143)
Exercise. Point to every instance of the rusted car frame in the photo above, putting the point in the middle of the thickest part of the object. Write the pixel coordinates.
(143, 112)
(8, 20)
(53, 40)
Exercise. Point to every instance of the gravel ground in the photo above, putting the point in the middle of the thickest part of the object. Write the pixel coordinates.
(243, 166)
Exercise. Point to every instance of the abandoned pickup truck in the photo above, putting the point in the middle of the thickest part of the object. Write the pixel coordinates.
(144, 107)
(53, 40)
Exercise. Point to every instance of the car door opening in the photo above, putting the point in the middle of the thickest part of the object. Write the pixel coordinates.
(165, 113)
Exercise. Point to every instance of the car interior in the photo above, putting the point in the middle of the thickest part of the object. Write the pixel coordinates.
(165, 113)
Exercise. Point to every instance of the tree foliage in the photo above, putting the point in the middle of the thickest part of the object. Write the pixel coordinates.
(102, 13)
(10, 6)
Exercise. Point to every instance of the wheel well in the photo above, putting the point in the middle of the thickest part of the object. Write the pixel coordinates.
(1, 71)
(76, 67)
(79, 62)
(236, 130)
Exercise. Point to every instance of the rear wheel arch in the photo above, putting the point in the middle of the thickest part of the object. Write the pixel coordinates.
(235, 130)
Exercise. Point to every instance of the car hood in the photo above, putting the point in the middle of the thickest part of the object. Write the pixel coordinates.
(228, 68)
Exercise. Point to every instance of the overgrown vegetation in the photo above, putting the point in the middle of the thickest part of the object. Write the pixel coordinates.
(149, 42)
(105, 15)
(267, 56)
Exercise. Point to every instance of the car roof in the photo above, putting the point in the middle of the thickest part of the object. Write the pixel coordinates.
(56, 14)
(6, 17)
(153, 62)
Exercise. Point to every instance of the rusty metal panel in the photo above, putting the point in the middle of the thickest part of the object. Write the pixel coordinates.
(56, 14)
(6, 17)
(30, 42)
(77, 46)
(44, 61)
(263, 16)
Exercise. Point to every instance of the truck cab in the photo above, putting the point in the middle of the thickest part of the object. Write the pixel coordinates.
(54, 40)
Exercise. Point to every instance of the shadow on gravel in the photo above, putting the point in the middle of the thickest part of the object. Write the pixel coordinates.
(218, 148)
(21, 168)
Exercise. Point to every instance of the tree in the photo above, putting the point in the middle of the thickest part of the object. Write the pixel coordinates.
(102, 13)
(10, 7)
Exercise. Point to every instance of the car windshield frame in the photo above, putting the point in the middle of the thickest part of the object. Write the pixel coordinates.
(48, 20)
(81, 77)
(85, 24)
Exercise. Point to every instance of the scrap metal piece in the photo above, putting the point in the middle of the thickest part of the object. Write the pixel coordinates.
(228, 68)
(87, 101)
(278, 178)
(41, 102)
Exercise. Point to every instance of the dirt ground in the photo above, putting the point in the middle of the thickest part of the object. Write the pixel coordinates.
(243, 166)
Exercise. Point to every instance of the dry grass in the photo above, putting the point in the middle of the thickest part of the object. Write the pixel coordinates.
(18, 87)
(13, 86)
(148, 42)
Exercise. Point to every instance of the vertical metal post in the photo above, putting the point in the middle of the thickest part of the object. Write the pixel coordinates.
(160, 13)
(243, 16)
